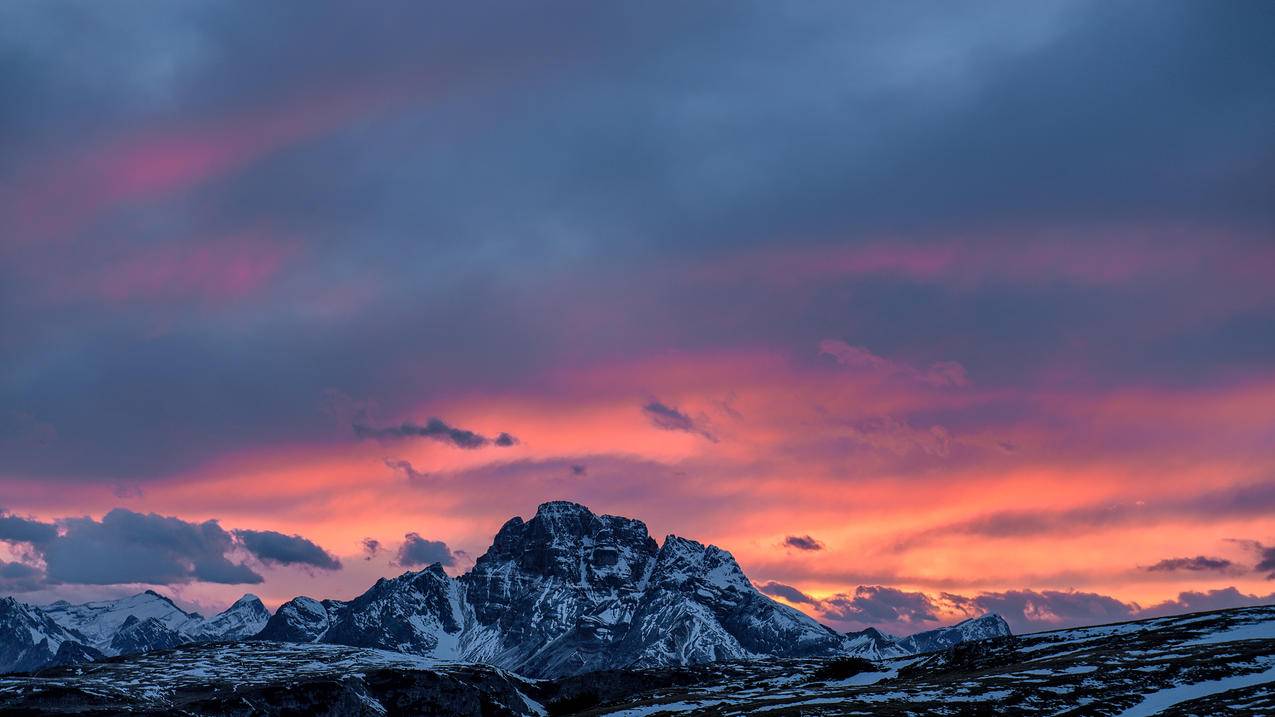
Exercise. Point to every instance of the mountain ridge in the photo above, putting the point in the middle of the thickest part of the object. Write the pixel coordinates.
(565, 592)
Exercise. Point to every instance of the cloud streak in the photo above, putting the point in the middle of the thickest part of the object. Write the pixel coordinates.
(434, 429)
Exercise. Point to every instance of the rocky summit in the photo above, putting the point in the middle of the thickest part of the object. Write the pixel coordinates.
(569, 592)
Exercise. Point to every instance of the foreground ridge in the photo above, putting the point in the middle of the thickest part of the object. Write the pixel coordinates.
(1217, 663)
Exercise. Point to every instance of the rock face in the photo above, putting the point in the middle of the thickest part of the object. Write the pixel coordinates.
(569, 592)
(30, 639)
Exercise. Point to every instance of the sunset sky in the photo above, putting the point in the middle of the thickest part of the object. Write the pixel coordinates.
(919, 309)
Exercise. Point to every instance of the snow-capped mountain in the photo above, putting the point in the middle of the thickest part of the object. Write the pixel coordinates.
(34, 637)
(569, 592)
(245, 618)
(101, 620)
(30, 639)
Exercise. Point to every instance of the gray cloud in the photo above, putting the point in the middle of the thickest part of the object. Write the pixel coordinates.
(1267, 561)
(787, 592)
(129, 547)
(435, 429)
(20, 578)
(1199, 563)
(25, 530)
(671, 419)
(1028, 610)
(878, 605)
(405, 467)
(416, 550)
(1192, 601)
(803, 542)
(274, 548)
(371, 547)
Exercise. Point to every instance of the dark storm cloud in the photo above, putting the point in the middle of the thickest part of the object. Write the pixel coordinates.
(803, 542)
(416, 550)
(671, 419)
(1268, 562)
(434, 429)
(275, 548)
(1199, 563)
(787, 592)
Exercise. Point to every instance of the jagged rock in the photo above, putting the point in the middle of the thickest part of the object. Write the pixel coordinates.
(142, 636)
(29, 639)
(301, 619)
(569, 592)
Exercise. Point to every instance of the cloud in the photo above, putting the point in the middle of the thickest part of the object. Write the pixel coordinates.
(1220, 599)
(1199, 563)
(1268, 562)
(898, 611)
(669, 418)
(416, 550)
(25, 530)
(1028, 610)
(20, 578)
(1239, 500)
(434, 429)
(878, 605)
(803, 542)
(128, 547)
(940, 374)
(274, 548)
(900, 438)
(787, 592)
(371, 547)
(406, 468)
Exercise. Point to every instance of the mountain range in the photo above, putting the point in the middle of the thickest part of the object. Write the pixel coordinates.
(564, 593)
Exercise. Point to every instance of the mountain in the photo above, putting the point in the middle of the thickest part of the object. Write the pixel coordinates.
(1216, 663)
(569, 592)
(61, 633)
(973, 630)
(246, 617)
(30, 639)
(99, 621)
(564, 593)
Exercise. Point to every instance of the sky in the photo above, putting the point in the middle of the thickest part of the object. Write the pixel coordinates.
(921, 310)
